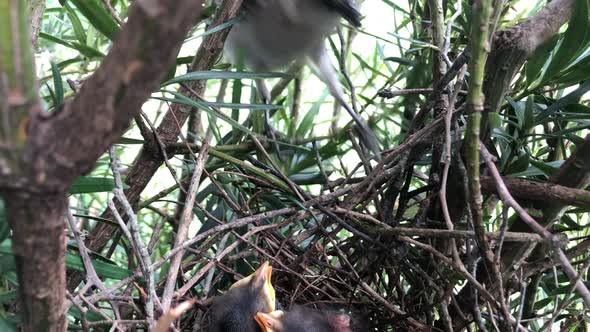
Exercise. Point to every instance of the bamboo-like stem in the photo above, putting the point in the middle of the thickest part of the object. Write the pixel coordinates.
(18, 92)
(482, 10)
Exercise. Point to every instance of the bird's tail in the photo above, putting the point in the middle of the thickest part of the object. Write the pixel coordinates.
(347, 9)
(368, 137)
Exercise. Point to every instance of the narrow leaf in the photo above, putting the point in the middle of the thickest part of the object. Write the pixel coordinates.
(90, 184)
(98, 16)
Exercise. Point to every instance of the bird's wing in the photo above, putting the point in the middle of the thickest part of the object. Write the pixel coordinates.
(346, 8)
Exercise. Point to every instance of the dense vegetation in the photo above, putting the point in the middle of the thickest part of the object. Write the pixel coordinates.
(475, 218)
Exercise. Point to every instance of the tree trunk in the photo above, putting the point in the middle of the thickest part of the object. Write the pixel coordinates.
(38, 227)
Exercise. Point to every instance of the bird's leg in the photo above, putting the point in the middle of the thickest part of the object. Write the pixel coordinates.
(321, 61)
(269, 130)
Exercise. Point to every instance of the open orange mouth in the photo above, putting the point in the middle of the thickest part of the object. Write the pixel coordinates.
(262, 276)
(269, 322)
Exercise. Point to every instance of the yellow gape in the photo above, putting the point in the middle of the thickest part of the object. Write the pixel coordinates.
(236, 309)
(261, 277)
(270, 322)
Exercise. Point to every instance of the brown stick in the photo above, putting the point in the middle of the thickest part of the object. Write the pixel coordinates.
(538, 191)
(532, 223)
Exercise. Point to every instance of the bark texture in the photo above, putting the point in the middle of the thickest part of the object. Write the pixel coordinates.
(512, 46)
(540, 193)
(39, 244)
(36, 10)
(65, 144)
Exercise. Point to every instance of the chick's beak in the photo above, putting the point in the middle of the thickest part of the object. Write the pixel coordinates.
(268, 292)
(270, 322)
(260, 278)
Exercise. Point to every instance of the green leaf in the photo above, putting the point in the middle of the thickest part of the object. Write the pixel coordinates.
(51, 94)
(326, 152)
(401, 61)
(571, 98)
(4, 227)
(7, 263)
(381, 52)
(182, 99)
(529, 114)
(542, 303)
(236, 96)
(539, 168)
(396, 7)
(253, 107)
(82, 48)
(414, 41)
(534, 65)
(98, 17)
(216, 28)
(57, 85)
(570, 223)
(519, 112)
(495, 120)
(365, 65)
(574, 41)
(576, 73)
(184, 60)
(548, 169)
(307, 123)
(91, 315)
(63, 64)
(222, 75)
(104, 270)
(8, 323)
(79, 30)
(7, 297)
(74, 261)
(90, 184)
(304, 179)
(129, 141)
(11, 276)
(99, 219)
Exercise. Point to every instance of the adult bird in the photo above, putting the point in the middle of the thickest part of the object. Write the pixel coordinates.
(235, 311)
(275, 33)
(301, 319)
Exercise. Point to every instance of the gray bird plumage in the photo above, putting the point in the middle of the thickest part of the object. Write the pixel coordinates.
(235, 311)
(275, 33)
(300, 319)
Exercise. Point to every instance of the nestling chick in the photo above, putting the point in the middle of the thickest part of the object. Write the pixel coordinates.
(302, 319)
(235, 311)
(275, 33)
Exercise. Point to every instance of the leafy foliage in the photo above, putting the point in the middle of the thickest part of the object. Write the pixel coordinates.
(543, 119)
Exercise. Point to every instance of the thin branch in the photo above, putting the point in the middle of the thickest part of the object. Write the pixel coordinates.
(556, 241)
(112, 11)
(184, 223)
(133, 234)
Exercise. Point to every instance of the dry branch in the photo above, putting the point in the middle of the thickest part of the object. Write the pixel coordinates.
(55, 152)
(150, 158)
